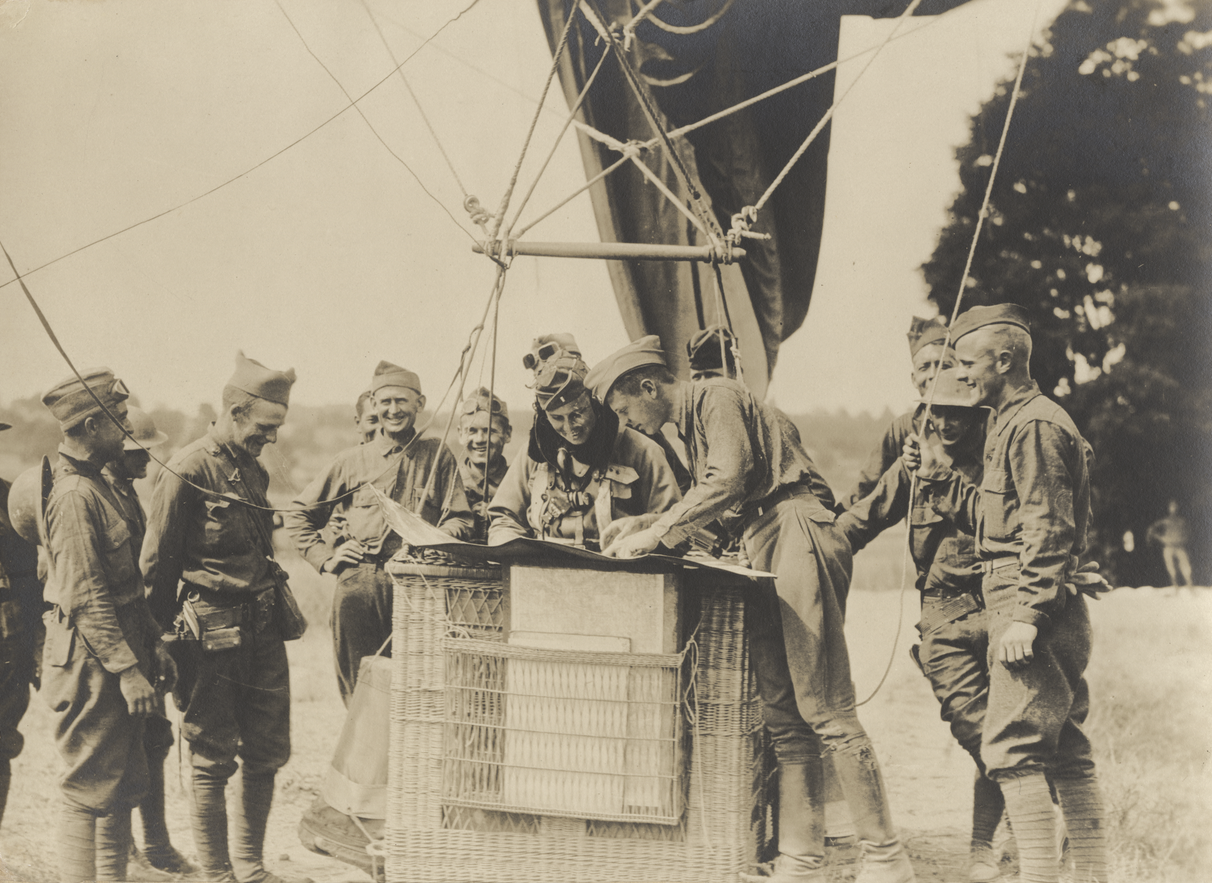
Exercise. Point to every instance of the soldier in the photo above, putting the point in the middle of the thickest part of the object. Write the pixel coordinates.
(103, 651)
(928, 353)
(419, 473)
(484, 431)
(158, 851)
(751, 472)
(581, 469)
(713, 353)
(20, 631)
(366, 420)
(209, 532)
(1029, 514)
(1172, 534)
(953, 628)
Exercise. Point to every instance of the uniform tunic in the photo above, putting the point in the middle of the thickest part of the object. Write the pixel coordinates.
(473, 487)
(100, 626)
(236, 701)
(1030, 514)
(954, 624)
(641, 478)
(750, 470)
(340, 498)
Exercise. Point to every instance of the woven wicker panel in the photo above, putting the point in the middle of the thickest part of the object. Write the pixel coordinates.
(430, 840)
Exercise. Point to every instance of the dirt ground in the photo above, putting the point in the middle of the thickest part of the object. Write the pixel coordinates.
(929, 777)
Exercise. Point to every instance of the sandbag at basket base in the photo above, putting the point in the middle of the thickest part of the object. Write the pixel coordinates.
(353, 799)
(356, 783)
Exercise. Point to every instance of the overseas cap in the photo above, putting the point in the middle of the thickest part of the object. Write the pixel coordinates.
(637, 354)
(950, 392)
(483, 400)
(710, 349)
(387, 374)
(923, 332)
(997, 314)
(70, 402)
(145, 431)
(265, 383)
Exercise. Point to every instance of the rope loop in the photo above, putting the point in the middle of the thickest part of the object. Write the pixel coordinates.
(742, 222)
(479, 214)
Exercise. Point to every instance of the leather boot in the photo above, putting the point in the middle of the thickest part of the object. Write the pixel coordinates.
(801, 826)
(76, 851)
(884, 859)
(208, 817)
(256, 797)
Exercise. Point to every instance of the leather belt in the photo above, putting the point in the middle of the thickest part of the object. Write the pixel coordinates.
(764, 505)
(991, 564)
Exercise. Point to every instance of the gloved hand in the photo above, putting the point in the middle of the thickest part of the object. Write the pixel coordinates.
(1087, 580)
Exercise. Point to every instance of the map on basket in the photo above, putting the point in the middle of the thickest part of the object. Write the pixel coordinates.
(415, 531)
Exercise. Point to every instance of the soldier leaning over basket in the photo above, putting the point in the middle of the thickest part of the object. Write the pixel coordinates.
(1030, 514)
(209, 533)
(103, 651)
(581, 468)
(20, 635)
(408, 469)
(484, 431)
(928, 353)
(753, 473)
(158, 853)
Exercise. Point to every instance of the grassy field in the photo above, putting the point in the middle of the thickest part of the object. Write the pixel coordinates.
(1152, 728)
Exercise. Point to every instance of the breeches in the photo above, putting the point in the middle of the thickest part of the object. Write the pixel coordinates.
(238, 704)
(361, 620)
(955, 658)
(101, 743)
(1034, 720)
(796, 639)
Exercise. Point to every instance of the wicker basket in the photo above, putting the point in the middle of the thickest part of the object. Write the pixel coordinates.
(448, 821)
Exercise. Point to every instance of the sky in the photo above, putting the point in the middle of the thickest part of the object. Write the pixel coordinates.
(327, 254)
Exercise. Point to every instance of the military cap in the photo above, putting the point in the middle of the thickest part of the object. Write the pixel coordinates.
(145, 433)
(483, 400)
(711, 349)
(996, 314)
(637, 354)
(559, 370)
(387, 374)
(265, 383)
(923, 332)
(948, 391)
(70, 402)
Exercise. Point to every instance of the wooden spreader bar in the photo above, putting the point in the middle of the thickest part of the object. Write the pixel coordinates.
(618, 251)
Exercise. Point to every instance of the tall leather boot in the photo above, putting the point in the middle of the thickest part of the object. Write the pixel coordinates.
(1029, 806)
(208, 816)
(77, 855)
(801, 855)
(884, 859)
(256, 797)
(158, 850)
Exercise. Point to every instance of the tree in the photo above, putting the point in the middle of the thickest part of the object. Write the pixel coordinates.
(1100, 224)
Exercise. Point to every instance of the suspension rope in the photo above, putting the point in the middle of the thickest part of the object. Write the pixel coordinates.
(576, 107)
(648, 12)
(499, 217)
(816, 130)
(670, 195)
(421, 110)
(913, 484)
(369, 124)
(647, 104)
(563, 202)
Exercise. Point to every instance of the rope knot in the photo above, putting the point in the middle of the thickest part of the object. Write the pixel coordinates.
(479, 215)
(742, 221)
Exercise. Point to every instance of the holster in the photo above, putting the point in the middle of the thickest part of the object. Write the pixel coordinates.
(218, 623)
(939, 610)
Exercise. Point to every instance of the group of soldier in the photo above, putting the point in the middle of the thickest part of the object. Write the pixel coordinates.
(992, 477)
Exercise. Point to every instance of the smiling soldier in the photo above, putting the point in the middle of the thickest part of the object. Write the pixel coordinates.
(209, 530)
(398, 462)
(484, 431)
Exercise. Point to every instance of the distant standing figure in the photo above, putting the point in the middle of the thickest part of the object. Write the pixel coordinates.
(1172, 533)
